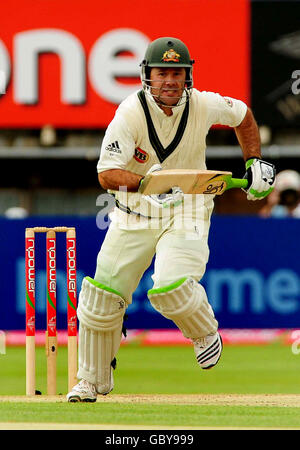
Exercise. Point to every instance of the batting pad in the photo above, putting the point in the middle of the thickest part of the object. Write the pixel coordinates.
(185, 302)
(100, 312)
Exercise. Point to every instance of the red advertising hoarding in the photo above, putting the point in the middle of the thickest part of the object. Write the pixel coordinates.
(69, 63)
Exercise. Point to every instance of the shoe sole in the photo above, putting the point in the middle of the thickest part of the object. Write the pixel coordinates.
(213, 365)
(77, 399)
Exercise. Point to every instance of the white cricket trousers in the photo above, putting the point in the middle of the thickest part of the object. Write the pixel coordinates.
(126, 254)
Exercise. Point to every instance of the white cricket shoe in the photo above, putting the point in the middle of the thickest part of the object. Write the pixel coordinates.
(83, 392)
(208, 350)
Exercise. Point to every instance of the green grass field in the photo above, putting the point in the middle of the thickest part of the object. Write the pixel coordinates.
(164, 387)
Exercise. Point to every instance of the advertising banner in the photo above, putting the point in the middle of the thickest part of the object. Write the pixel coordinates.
(252, 278)
(275, 62)
(70, 63)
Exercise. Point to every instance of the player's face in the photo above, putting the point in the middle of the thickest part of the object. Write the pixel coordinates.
(167, 84)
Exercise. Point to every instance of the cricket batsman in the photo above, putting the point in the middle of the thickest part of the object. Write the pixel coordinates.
(162, 126)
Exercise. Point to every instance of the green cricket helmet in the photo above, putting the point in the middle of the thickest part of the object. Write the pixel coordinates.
(168, 52)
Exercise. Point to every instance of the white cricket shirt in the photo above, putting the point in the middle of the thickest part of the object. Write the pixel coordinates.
(126, 144)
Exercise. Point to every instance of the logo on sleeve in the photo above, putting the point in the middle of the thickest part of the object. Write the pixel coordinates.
(228, 101)
(113, 147)
(140, 155)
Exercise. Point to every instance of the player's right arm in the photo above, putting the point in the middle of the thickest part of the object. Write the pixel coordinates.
(117, 150)
(115, 179)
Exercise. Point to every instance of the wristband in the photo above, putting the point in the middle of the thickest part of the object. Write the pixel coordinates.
(141, 182)
(249, 161)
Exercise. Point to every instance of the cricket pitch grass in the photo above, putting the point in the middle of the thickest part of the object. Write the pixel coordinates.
(252, 387)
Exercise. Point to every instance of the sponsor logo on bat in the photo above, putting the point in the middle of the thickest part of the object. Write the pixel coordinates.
(212, 188)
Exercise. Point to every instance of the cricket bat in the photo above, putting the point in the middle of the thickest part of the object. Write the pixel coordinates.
(191, 181)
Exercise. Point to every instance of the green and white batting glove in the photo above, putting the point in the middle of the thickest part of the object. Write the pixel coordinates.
(261, 178)
(154, 168)
(172, 198)
(166, 200)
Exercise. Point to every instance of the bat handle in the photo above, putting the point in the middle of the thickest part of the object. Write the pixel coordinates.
(239, 183)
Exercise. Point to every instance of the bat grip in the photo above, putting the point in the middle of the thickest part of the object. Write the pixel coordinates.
(239, 183)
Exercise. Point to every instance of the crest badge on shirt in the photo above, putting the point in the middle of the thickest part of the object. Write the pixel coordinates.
(140, 155)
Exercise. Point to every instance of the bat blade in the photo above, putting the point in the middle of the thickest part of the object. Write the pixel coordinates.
(190, 181)
(212, 184)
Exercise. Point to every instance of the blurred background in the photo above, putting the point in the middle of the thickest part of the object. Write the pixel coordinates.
(65, 67)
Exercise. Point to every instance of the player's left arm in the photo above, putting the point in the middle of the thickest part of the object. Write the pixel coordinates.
(248, 136)
(260, 174)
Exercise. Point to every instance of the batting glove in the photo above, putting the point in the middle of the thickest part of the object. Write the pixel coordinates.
(154, 168)
(261, 178)
(172, 198)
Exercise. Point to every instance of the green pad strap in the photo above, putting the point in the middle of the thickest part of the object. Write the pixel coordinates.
(103, 287)
(167, 288)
